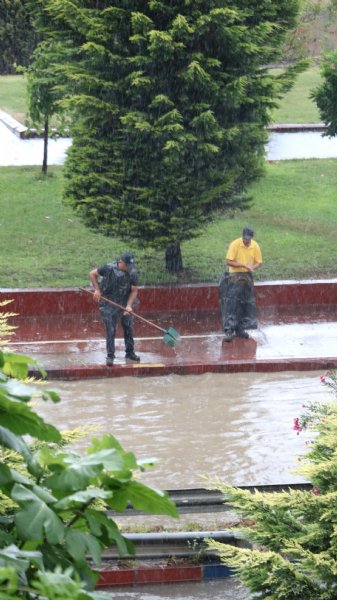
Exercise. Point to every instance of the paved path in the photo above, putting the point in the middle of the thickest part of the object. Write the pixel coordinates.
(299, 145)
(15, 151)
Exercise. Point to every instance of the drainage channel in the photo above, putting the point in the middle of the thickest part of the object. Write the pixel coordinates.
(201, 500)
(178, 555)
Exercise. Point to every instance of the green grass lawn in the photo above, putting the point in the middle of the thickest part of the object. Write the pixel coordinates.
(43, 244)
(13, 96)
(297, 106)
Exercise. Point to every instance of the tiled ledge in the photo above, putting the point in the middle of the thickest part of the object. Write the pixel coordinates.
(186, 368)
(24, 132)
(20, 130)
(14, 126)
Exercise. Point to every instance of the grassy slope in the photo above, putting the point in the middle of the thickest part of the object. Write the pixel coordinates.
(297, 106)
(13, 96)
(293, 214)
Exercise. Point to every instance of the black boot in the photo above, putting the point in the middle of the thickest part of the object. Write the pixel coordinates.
(229, 335)
(132, 356)
(242, 334)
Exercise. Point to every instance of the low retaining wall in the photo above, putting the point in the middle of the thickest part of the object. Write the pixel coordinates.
(156, 573)
(63, 301)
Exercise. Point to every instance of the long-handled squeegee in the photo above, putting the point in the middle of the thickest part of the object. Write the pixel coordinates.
(171, 336)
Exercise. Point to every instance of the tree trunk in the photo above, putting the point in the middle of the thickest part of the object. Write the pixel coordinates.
(173, 258)
(45, 146)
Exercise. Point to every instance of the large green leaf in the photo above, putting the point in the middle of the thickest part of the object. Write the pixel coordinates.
(5, 538)
(62, 585)
(104, 442)
(51, 395)
(110, 458)
(16, 390)
(106, 529)
(43, 494)
(110, 442)
(14, 442)
(50, 458)
(143, 498)
(20, 559)
(82, 497)
(17, 365)
(78, 472)
(73, 478)
(24, 391)
(130, 460)
(9, 476)
(20, 419)
(81, 543)
(36, 521)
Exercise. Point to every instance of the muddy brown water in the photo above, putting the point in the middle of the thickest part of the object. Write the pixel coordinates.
(224, 589)
(234, 426)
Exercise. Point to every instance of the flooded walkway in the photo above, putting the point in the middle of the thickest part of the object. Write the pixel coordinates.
(62, 329)
(73, 346)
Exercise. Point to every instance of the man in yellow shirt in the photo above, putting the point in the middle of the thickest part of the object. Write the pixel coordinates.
(237, 301)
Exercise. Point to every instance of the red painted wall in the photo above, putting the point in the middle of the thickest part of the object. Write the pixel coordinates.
(44, 301)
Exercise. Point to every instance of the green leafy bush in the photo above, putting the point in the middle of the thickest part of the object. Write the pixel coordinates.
(292, 552)
(54, 526)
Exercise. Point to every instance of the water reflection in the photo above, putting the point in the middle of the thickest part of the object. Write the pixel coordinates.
(237, 427)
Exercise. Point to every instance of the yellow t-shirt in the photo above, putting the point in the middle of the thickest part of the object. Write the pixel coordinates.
(245, 255)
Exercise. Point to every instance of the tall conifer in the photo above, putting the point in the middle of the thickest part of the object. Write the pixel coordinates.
(17, 35)
(170, 102)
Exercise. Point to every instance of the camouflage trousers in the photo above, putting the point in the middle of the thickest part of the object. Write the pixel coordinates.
(110, 315)
(237, 302)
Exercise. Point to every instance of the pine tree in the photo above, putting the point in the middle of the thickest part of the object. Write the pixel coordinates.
(326, 93)
(43, 94)
(170, 102)
(17, 35)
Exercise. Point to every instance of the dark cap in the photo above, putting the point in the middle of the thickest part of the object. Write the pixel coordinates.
(128, 259)
(247, 233)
